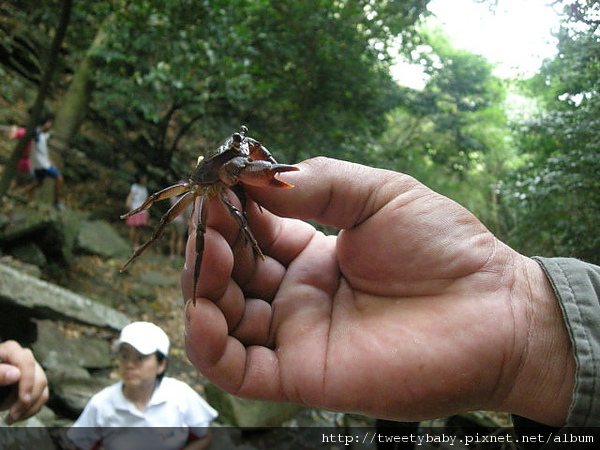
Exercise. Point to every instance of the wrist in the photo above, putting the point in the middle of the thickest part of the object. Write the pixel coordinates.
(544, 375)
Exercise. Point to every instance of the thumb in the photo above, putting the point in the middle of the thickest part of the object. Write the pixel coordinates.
(333, 192)
(9, 374)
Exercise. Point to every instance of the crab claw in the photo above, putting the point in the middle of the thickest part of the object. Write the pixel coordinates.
(262, 173)
(255, 173)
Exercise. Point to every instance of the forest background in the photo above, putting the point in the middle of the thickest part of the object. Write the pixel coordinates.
(150, 85)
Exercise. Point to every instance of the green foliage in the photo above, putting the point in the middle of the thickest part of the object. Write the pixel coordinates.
(457, 98)
(307, 77)
(158, 82)
(170, 79)
(555, 199)
(325, 83)
(453, 134)
(556, 203)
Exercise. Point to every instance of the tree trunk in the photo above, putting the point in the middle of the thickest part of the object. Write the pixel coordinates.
(74, 103)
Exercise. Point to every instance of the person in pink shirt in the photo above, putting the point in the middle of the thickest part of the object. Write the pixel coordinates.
(24, 171)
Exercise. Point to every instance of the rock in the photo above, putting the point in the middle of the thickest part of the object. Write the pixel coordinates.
(99, 238)
(29, 253)
(24, 223)
(4, 220)
(46, 300)
(249, 413)
(157, 279)
(27, 434)
(46, 416)
(139, 292)
(53, 349)
(73, 392)
(52, 231)
(29, 269)
(58, 242)
(57, 374)
(225, 438)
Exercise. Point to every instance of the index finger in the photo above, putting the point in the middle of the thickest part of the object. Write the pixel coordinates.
(22, 359)
(227, 254)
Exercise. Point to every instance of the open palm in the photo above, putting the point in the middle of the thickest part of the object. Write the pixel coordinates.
(409, 313)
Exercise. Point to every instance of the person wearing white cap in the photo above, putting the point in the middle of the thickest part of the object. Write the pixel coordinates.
(173, 415)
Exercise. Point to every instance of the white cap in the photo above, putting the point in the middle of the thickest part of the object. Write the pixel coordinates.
(145, 337)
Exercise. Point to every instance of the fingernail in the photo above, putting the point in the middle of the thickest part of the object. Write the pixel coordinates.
(186, 312)
(11, 375)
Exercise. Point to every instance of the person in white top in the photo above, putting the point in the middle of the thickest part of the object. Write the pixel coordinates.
(137, 195)
(40, 160)
(172, 414)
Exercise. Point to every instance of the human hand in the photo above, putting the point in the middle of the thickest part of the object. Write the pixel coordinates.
(29, 388)
(414, 311)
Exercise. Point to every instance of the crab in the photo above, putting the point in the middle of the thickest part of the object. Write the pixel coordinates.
(240, 160)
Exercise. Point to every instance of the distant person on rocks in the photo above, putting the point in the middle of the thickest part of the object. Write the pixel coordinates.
(172, 414)
(41, 163)
(24, 171)
(137, 195)
(23, 384)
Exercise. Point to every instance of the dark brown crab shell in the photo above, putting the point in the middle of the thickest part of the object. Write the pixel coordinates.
(239, 159)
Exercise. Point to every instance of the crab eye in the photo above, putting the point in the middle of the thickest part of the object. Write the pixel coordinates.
(236, 140)
(243, 130)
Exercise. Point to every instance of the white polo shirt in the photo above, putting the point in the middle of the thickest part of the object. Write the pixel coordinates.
(174, 412)
(39, 156)
(139, 195)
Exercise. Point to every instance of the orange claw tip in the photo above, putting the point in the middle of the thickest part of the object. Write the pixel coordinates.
(278, 168)
(280, 184)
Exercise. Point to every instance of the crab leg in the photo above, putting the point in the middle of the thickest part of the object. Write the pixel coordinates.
(173, 212)
(240, 218)
(171, 191)
(239, 192)
(202, 210)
